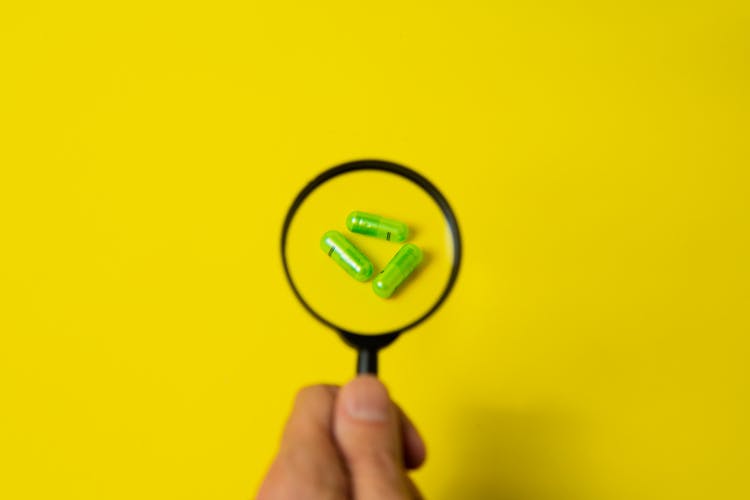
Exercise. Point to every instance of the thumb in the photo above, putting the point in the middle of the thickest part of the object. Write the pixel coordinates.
(367, 429)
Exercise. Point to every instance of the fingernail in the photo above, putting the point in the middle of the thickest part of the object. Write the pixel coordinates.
(366, 399)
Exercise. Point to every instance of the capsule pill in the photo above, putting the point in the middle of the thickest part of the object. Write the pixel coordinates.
(346, 255)
(397, 270)
(377, 226)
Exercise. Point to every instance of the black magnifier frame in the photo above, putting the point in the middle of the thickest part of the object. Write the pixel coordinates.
(367, 346)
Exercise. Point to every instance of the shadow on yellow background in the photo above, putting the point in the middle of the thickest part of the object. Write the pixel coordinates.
(595, 346)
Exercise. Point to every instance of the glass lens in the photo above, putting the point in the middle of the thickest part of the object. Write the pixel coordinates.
(332, 276)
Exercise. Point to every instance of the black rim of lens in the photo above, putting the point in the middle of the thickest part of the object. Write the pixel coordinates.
(382, 166)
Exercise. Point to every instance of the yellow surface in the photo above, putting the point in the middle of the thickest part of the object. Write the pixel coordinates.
(596, 346)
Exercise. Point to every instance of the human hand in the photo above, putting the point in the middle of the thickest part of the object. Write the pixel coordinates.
(345, 443)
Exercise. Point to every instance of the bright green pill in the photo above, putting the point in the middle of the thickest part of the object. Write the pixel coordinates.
(346, 255)
(377, 226)
(397, 270)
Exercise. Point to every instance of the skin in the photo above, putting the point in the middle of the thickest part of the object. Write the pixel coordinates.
(345, 443)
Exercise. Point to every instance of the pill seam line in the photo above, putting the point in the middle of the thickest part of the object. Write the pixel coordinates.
(331, 251)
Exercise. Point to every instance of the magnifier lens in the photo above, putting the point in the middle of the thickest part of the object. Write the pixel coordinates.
(337, 297)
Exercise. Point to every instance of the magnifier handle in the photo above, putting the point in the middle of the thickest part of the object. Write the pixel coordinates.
(367, 361)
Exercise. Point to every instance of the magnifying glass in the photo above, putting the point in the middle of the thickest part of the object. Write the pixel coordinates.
(341, 291)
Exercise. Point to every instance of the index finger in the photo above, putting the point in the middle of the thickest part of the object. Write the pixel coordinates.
(308, 463)
(311, 420)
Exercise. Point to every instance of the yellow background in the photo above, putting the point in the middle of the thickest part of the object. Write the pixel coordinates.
(596, 345)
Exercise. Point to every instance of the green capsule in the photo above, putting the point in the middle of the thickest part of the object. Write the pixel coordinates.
(377, 226)
(346, 255)
(397, 270)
